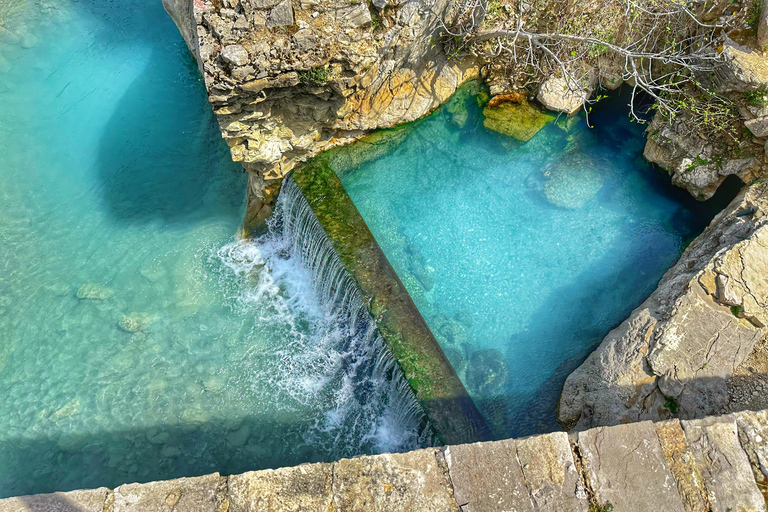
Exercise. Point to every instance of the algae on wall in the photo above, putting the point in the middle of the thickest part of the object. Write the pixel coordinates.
(431, 377)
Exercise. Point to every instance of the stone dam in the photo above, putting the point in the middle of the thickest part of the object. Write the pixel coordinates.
(715, 464)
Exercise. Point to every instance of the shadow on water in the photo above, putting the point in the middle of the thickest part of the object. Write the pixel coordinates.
(98, 459)
(161, 156)
(596, 308)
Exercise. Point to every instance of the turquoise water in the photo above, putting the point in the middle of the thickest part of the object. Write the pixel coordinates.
(139, 339)
(521, 257)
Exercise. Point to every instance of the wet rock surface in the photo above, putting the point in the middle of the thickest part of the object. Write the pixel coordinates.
(717, 464)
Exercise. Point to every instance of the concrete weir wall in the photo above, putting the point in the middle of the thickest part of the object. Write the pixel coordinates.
(433, 380)
(715, 464)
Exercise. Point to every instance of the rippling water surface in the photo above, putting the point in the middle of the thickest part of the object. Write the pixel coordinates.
(522, 256)
(138, 339)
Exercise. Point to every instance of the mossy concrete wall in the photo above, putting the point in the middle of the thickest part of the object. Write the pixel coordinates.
(716, 464)
(438, 389)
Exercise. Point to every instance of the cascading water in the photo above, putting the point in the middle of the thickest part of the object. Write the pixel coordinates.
(133, 347)
(374, 406)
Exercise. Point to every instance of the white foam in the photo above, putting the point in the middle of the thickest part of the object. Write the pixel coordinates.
(333, 359)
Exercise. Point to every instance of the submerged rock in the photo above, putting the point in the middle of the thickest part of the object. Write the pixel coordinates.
(512, 115)
(94, 291)
(135, 322)
(370, 147)
(572, 181)
(458, 106)
(457, 358)
(240, 436)
(487, 373)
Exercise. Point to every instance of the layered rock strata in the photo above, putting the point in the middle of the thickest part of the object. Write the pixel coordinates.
(290, 79)
(675, 352)
(719, 464)
(694, 158)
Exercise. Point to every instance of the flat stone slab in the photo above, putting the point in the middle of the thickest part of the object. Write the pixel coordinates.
(690, 483)
(305, 488)
(714, 464)
(404, 482)
(626, 467)
(724, 465)
(91, 500)
(199, 494)
(753, 427)
(550, 473)
(533, 474)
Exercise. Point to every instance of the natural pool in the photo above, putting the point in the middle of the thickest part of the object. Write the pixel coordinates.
(138, 339)
(522, 256)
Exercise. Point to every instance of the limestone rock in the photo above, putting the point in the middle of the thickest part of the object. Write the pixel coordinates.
(688, 336)
(626, 467)
(691, 159)
(94, 291)
(235, 55)
(550, 473)
(762, 25)
(562, 95)
(724, 465)
(393, 482)
(73, 501)
(744, 69)
(758, 126)
(488, 477)
(376, 80)
(753, 430)
(356, 15)
(259, 4)
(198, 494)
(518, 119)
(295, 489)
(281, 15)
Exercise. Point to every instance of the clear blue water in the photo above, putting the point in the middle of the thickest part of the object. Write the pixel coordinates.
(521, 257)
(140, 340)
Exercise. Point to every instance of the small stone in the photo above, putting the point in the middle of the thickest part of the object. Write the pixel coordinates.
(94, 291)
(241, 23)
(135, 322)
(242, 72)
(234, 55)
(758, 127)
(355, 16)
(305, 40)
(170, 451)
(281, 15)
(240, 436)
(380, 4)
(29, 40)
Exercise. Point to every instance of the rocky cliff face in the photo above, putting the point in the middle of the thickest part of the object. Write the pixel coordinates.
(677, 350)
(696, 159)
(290, 79)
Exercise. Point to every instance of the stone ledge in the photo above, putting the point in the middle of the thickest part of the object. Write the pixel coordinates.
(715, 464)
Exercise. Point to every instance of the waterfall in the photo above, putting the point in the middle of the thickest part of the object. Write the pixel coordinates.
(369, 405)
